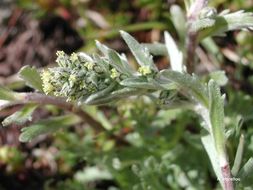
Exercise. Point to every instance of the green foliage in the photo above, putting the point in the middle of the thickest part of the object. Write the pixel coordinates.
(143, 146)
(32, 77)
(21, 116)
(47, 126)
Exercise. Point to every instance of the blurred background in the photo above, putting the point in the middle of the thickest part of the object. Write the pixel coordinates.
(163, 149)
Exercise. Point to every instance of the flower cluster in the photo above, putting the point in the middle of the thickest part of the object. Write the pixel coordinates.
(77, 76)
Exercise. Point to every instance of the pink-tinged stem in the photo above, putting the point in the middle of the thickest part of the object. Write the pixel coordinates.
(227, 180)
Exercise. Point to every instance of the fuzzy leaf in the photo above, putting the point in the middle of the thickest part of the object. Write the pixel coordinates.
(227, 22)
(32, 77)
(190, 83)
(208, 143)
(101, 94)
(115, 96)
(139, 51)
(47, 126)
(219, 77)
(119, 63)
(140, 83)
(238, 156)
(175, 55)
(216, 114)
(21, 116)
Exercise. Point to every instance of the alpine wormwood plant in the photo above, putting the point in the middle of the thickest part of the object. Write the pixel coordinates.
(81, 79)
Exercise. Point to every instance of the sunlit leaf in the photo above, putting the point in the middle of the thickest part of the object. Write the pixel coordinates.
(139, 51)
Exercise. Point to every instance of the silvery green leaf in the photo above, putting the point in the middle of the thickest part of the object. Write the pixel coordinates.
(91, 174)
(21, 116)
(102, 47)
(139, 51)
(227, 22)
(216, 114)
(102, 63)
(245, 174)
(47, 126)
(179, 21)
(219, 77)
(140, 83)
(119, 63)
(115, 96)
(208, 143)
(238, 156)
(156, 48)
(101, 94)
(202, 24)
(175, 55)
(84, 57)
(32, 77)
(189, 83)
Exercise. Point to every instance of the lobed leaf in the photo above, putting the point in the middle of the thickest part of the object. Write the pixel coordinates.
(21, 116)
(47, 126)
(227, 22)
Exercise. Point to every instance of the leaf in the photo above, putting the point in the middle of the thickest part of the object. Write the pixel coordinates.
(227, 22)
(115, 96)
(190, 84)
(208, 143)
(32, 77)
(119, 63)
(21, 116)
(238, 156)
(140, 52)
(102, 47)
(175, 55)
(99, 116)
(245, 174)
(219, 77)
(141, 83)
(101, 94)
(6, 94)
(47, 126)
(216, 114)
(156, 48)
(93, 173)
(179, 21)
(202, 24)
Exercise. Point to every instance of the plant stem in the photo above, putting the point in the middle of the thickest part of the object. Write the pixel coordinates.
(61, 103)
(227, 180)
(191, 37)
